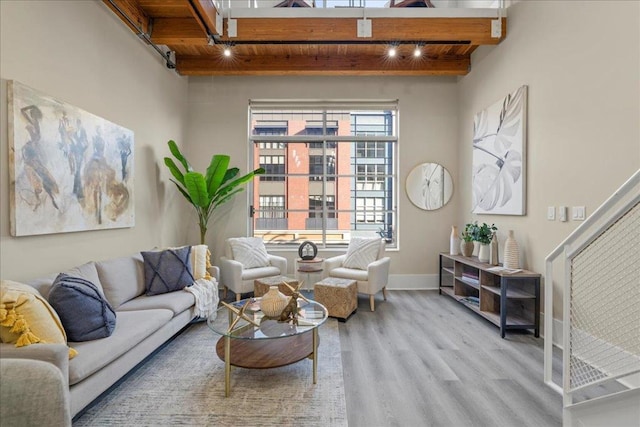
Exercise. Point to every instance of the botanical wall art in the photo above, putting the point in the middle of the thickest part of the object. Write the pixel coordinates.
(499, 144)
(70, 170)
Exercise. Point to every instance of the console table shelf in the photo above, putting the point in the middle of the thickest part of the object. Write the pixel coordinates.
(508, 300)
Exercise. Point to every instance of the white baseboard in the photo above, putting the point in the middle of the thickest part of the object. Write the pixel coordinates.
(557, 331)
(413, 282)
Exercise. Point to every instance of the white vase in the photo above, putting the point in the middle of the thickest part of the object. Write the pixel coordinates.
(273, 302)
(493, 252)
(483, 253)
(454, 242)
(511, 256)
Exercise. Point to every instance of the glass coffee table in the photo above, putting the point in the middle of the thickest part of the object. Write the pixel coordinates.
(251, 340)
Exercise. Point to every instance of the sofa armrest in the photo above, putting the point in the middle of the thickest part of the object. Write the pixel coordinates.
(56, 354)
(280, 262)
(331, 263)
(214, 271)
(378, 272)
(33, 393)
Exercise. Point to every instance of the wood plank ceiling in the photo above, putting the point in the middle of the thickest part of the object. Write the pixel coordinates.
(304, 46)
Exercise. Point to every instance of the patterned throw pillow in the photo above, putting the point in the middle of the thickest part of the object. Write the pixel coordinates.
(361, 252)
(167, 271)
(249, 251)
(27, 318)
(200, 260)
(85, 313)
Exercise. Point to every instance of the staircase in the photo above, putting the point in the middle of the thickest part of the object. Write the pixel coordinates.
(600, 278)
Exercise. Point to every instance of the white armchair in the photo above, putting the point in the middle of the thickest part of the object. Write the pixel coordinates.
(364, 262)
(245, 260)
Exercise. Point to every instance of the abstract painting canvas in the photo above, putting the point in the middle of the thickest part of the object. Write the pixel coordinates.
(70, 170)
(499, 145)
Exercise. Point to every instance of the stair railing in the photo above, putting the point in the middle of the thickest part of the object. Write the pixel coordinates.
(601, 330)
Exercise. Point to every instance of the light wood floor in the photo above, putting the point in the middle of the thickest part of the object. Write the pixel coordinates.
(422, 359)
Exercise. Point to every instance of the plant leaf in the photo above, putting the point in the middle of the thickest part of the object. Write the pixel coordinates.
(173, 147)
(223, 191)
(231, 173)
(215, 174)
(197, 188)
(174, 170)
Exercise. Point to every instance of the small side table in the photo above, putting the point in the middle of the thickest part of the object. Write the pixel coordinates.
(307, 267)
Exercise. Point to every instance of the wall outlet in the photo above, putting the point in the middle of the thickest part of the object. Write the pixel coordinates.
(551, 213)
(562, 213)
(578, 213)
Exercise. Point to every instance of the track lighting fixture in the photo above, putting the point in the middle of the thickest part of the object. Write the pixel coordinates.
(417, 53)
(392, 51)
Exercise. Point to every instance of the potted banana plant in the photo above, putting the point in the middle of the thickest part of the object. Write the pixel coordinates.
(206, 192)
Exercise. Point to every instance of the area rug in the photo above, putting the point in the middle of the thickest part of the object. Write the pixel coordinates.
(183, 384)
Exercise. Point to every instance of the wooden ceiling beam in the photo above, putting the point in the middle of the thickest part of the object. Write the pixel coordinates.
(166, 8)
(207, 11)
(476, 31)
(171, 31)
(319, 65)
(133, 12)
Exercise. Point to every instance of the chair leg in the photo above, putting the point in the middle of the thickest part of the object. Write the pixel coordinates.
(384, 293)
(224, 292)
(238, 296)
(372, 303)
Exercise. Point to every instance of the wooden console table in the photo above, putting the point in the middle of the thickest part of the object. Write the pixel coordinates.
(510, 301)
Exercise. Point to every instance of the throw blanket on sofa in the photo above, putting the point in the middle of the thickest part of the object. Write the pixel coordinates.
(206, 294)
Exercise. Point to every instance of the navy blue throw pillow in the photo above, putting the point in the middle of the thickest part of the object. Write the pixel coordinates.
(167, 271)
(85, 314)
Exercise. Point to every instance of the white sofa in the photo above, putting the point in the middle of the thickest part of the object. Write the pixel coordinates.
(143, 323)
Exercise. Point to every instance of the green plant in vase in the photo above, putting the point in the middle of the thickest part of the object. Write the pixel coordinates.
(466, 245)
(483, 235)
(206, 192)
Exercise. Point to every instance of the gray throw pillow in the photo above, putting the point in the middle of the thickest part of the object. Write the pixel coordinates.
(167, 271)
(85, 314)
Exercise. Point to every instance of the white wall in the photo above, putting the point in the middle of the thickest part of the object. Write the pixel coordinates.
(81, 53)
(218, 123)
(581, 61)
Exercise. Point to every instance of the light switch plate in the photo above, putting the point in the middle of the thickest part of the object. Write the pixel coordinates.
(578, 213)
(562, 213)
(551, 213)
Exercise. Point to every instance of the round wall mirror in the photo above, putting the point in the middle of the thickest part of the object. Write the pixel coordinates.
(429, 186)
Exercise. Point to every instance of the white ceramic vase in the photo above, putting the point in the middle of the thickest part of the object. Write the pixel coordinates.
(454, 242)
(483, 253)
(493, 252)
(511, 256)
(273, 302)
